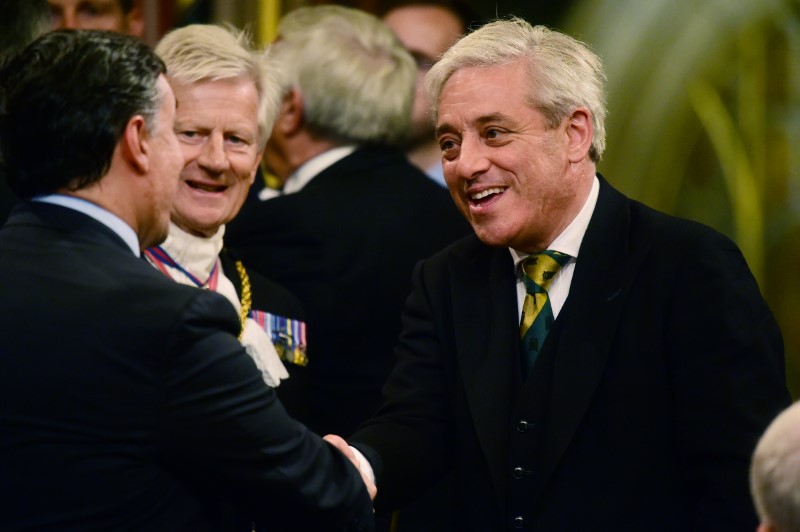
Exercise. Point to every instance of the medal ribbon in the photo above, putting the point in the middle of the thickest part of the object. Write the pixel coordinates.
(160, 258)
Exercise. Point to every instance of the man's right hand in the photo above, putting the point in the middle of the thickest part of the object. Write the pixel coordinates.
(358, 461)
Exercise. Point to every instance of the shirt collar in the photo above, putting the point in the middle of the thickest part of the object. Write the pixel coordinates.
(569, 241)
(312, 167)
(105, 217)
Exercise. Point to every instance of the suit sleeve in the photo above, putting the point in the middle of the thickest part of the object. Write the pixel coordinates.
(728, 379)
(220, 418)
(410, 438)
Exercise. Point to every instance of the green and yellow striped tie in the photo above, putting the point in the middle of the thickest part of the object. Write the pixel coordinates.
(537, 315)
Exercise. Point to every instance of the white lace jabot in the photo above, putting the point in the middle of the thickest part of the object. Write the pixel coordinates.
(198, 255)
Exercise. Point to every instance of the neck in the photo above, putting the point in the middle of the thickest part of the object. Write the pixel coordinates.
(301, 148)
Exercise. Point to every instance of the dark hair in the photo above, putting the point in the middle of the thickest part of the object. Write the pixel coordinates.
(22, 21)
(64, 103)
(126, 6)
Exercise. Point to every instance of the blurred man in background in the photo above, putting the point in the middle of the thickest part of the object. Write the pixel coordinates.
(22, 21)
(123, 16)
(775, 473)
(427, 28)
(354, 215)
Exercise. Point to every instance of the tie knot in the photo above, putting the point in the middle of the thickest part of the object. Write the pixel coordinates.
(540, 268)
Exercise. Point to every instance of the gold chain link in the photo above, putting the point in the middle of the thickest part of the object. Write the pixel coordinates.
(247, 298)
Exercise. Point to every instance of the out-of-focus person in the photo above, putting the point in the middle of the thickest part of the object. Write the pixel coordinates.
(228, 99)
(123, 16)
(22, 21)
(427, 28)
(126, 400)
(354, 215)
(775, 473)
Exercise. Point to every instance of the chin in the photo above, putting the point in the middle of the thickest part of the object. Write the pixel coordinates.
(491, 238)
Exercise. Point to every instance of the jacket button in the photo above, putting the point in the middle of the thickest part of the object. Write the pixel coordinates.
(519, 472)
(523, 425)
(519, 522)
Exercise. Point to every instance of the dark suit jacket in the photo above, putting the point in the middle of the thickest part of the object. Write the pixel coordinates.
(126, 402)
(345, 245)
(662, 370)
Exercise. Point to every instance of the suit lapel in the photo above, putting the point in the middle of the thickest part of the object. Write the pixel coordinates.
(604, 273)
(485, 323)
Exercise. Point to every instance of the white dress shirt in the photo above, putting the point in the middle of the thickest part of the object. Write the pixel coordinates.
(308, 171)
(569, 242)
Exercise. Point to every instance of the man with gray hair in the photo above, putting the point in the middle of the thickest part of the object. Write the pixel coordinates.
(354, 215)
(228, 101)
(583, 362)
(775, 473)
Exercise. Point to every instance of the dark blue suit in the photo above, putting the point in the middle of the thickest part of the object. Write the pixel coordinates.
(126, 401)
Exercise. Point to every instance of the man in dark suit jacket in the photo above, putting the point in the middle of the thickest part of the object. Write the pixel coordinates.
(355, 215)
(663, 363)
(126, 401)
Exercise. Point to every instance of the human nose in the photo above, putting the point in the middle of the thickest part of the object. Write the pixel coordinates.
(67, 19)
(472, 158)
(213, 156)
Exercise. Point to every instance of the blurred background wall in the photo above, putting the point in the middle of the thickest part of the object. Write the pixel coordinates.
(704, 112)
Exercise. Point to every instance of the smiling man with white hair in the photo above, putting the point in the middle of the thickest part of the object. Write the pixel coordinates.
(583, 362)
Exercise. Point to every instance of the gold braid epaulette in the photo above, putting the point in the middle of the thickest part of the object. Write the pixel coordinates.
(247, 297)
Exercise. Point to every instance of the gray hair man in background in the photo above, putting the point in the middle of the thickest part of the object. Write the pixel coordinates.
(775, 473)
(354, 215)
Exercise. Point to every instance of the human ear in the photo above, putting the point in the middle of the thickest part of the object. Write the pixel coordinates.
(580, 133)
(134, 21)
(290, 116)
(135, 144)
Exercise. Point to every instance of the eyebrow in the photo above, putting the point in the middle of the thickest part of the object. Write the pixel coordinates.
(481, 120)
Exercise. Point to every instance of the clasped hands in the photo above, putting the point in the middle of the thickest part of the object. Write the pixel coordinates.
(362, 466)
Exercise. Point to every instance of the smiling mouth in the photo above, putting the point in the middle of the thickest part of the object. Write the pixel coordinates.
(206, 188)
(485, 195)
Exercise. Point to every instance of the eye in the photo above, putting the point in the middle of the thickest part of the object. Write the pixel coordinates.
(449, 148)
(188, 135)
(89, 9)
(495, 136)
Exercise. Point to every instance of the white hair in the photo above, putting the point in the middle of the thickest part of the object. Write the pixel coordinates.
(775, 472)
(565, 74)
(356, 78)
(206, 52)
